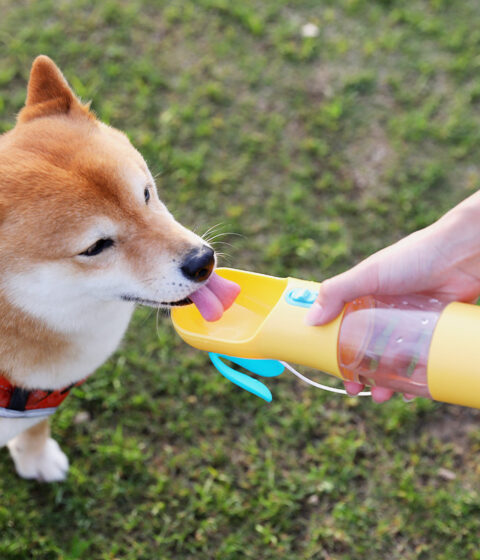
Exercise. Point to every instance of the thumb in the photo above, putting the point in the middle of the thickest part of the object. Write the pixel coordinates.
(339, 290)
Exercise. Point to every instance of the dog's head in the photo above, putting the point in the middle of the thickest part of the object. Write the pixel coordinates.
(80, 217)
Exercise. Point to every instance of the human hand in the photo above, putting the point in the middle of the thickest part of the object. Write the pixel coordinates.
(442, 260)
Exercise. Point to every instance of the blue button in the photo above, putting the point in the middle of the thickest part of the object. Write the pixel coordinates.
(301, 297)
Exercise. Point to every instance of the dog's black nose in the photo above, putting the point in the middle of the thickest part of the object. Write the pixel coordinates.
(198, 264)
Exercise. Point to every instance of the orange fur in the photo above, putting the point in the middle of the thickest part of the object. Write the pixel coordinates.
(49, 93)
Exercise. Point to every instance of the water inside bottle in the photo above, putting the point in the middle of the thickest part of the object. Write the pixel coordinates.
(385, 341)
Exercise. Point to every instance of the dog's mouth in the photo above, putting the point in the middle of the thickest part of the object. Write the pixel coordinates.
(153, 303)
(211, 299)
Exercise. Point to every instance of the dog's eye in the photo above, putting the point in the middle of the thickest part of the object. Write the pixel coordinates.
(97, 247)
(146, 194)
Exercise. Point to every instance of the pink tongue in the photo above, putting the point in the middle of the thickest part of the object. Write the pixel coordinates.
(215, 297)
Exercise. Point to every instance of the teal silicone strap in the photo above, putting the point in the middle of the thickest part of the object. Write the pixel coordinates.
(265, 368)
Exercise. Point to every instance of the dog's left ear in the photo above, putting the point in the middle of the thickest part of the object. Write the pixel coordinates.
(49, 93)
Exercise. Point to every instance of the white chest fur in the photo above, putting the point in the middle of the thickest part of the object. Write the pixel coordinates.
(94, 336)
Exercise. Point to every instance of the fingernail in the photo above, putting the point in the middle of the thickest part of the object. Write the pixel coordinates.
(404, 398)
(314, 315)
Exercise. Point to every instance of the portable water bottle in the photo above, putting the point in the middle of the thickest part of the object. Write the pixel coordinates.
(417, 344)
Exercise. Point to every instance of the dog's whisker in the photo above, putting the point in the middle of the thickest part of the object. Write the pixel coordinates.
(229, 233)
(212, 236)
(215, 236)
(213, 231)
(216, 243)
(215, 226)
(224, 256)
(221, 245)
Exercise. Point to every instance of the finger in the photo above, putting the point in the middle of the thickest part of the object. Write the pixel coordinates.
(353, 388)
(337, 291)
(381, 394)
(408, 397)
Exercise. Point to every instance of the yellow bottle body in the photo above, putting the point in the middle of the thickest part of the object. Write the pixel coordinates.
(454, 362)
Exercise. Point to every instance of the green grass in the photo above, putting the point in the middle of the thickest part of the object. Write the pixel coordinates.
(310, 153)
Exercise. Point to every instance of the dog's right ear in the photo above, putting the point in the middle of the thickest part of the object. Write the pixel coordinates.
(49, 93)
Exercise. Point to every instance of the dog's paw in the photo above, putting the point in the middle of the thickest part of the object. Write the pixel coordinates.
(49, 464)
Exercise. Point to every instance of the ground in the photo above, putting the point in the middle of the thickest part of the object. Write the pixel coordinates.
(306, 154)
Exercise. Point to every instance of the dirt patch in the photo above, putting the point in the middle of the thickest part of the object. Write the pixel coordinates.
(369, 158)
(454, 424)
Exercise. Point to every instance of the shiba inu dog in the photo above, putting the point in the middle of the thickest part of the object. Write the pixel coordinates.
(84, 237)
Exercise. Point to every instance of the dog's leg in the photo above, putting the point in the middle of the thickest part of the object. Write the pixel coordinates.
(37, 455)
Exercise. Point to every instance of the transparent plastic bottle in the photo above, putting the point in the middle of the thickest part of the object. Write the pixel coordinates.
(386, 341)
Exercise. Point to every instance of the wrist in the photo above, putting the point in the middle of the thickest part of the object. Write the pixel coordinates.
(456, 235)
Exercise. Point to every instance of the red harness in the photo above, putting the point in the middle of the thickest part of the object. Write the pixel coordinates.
(16, 402)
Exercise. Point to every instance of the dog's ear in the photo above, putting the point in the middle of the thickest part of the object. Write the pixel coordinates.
(49, 93)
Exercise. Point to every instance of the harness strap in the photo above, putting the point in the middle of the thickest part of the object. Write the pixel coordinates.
(16, 402)
(18, 399)
(35, 413)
